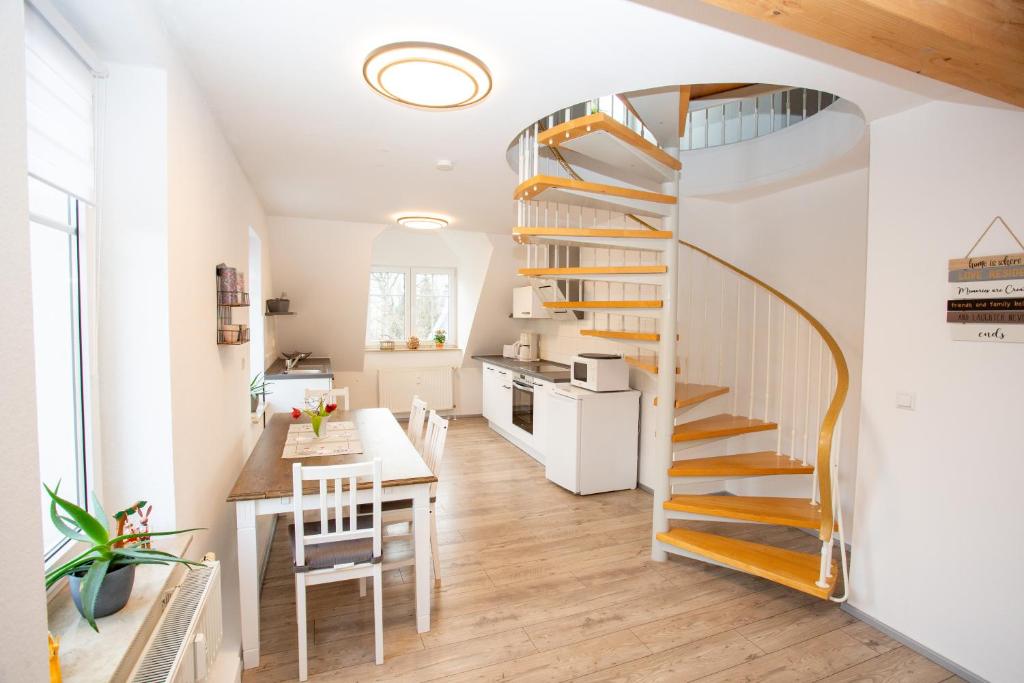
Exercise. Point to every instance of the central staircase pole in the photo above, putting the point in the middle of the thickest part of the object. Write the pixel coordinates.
(666, 392)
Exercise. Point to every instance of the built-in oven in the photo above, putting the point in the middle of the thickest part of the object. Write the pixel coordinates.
(522, 403)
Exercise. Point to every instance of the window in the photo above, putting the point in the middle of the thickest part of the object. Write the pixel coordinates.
(410, 301)
(56, 322)
(61, 193)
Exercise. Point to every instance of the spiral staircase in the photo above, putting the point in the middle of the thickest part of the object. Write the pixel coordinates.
(743, 383)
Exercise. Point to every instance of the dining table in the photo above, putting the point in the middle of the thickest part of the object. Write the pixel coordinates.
(264, 487)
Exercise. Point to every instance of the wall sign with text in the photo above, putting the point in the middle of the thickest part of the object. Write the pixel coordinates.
(986, 298)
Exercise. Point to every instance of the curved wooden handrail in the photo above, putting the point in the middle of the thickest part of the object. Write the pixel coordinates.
(828, 424)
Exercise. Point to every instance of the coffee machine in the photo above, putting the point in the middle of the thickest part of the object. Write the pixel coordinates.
(528, 346)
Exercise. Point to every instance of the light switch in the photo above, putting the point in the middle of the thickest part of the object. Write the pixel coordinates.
(906, 401)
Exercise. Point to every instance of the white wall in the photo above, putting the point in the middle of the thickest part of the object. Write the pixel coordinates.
(809, 242)
(211, 206)
(23, 627)
(134, 351)
(324, 267)
(938, 525)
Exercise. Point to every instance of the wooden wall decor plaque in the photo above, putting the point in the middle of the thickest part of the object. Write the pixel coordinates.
(985, 301)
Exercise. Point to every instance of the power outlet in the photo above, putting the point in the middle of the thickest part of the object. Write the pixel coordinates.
(906, 401)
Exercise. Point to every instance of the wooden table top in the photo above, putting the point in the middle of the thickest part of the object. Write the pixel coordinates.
(267, 475)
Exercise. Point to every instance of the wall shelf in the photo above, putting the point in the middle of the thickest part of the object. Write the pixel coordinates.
(272, 313)
(231, 294)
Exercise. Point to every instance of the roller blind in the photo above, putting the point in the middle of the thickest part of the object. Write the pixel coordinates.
(59, 99)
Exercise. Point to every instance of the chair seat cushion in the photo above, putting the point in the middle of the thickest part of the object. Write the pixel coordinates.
(327, 555)
(388, 506)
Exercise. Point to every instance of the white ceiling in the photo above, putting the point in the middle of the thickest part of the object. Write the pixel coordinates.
(284, 79)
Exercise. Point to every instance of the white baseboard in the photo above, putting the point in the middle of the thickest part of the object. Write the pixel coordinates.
(917, 647)
(227, 668)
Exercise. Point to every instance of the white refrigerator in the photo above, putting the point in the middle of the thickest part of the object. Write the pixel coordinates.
(589, 439)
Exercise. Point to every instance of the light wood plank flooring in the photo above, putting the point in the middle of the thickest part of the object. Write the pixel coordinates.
(542, 585)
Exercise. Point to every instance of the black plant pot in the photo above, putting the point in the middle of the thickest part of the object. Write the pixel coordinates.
(114, 591)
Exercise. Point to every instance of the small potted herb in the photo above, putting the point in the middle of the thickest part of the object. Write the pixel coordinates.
(257, 389)
(439, 337)
(101, 578)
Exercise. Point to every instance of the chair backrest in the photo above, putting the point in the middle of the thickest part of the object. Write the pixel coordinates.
(433, 444)
(417, 416)
(339, 394)
(341, 498)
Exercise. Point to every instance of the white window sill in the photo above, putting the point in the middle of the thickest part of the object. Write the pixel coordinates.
(110, 654)
(258, 415)
(421, 348)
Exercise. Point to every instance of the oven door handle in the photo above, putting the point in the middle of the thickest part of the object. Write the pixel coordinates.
(522, 386)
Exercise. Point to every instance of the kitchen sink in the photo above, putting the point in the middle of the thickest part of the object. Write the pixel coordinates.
(307, 370)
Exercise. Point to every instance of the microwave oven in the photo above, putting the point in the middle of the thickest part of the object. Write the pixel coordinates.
(600, 372)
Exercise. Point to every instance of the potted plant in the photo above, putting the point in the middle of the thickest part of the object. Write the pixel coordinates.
(101, 578)
(439, 337)
(257, 388)
(319, 413)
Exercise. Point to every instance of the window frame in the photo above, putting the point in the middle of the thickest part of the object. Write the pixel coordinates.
(80, 218)
(409, 273)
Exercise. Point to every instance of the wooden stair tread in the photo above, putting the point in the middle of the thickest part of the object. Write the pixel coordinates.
(610, 334)
(787, 567)
(535, 186)
(599, 122)
(593, 232)
(719, 426)
(595, 270)
(692, 394)
(653, 303)
(650, 365)
(761, 463)
(796, 512)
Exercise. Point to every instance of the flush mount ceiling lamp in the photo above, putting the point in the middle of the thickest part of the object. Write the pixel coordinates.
(427, 75)
(422, 222)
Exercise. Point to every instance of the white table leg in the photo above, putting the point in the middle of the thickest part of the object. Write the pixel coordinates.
(248, 582)
(421, 532)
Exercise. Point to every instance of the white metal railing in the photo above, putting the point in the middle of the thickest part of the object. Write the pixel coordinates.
(746, 118)
(781, 366)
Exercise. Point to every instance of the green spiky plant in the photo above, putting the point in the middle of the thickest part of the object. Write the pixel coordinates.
(107, 552)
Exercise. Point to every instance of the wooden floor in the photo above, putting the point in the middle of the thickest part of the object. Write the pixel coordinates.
(546, 586)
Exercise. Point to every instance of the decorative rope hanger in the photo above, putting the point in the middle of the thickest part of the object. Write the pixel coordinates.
(1012, 234)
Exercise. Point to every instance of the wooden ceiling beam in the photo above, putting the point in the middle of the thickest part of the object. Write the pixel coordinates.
(977, 45)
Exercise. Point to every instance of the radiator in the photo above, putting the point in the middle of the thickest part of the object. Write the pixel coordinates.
(185, 641)
(397, 386)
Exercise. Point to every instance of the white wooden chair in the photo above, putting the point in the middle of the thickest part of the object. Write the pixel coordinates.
(417, 416)
(433, 455)
(337, 549)
(339, 394)
(402, 511)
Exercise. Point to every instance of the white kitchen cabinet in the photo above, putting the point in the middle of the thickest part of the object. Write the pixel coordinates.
(497, 396)
(285, 394)
(526, 304)
(490, 392)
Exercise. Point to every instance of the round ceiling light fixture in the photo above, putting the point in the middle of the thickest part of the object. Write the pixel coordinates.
(427, 75)
(422, 222)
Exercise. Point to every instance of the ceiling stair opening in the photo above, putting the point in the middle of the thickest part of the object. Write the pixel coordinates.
(747, 384)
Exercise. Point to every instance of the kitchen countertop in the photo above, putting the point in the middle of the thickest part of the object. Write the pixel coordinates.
(541, 369)
(276, 370)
